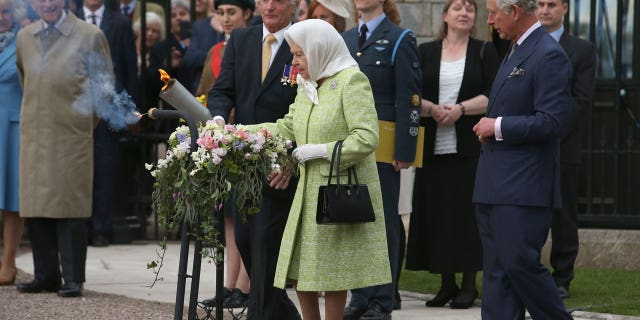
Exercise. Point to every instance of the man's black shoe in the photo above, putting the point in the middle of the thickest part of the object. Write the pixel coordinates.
(236, 299)
(100, 241)
(353, 313)
(36, 286)
(70, 289)
(397, 301)
(211, 302)
(376, 313)
(563, 291)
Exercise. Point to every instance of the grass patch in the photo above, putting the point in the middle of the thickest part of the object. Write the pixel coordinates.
(593, 290)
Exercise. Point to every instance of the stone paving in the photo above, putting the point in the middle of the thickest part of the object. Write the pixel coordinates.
(121, 270)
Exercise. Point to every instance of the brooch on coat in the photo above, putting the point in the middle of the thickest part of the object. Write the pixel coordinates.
(333, 84)
(516, 72)
(289, 74)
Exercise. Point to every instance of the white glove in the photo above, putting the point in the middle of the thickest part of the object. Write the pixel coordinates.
(308, 152)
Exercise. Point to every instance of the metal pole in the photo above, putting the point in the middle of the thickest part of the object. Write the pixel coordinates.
(182, 273)
(195, 276)
(219, 265)
(184, 245)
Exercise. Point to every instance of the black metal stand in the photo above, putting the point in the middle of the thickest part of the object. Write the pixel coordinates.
(184, 245)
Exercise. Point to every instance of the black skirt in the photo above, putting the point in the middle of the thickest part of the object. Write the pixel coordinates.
(443, 233)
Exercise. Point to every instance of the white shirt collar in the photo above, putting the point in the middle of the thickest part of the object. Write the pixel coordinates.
(279, 34)
(98, 13)
(528, 32)
(58, 23)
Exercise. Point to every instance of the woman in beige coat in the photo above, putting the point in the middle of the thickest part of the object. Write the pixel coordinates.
(65, 70)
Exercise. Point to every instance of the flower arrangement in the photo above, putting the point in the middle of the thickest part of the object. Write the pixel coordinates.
(191, 184)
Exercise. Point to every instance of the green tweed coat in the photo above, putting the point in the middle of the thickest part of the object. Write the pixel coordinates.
(334, 257)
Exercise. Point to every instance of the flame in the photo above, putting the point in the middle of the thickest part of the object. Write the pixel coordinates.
(164, 77)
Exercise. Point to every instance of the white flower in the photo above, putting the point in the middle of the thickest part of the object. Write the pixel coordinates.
(148, 166)
(216, 160)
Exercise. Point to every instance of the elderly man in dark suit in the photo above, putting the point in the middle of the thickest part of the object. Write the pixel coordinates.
(259, 92)
(388, 55)
(564, 225)
(518, 176)
(117, 30)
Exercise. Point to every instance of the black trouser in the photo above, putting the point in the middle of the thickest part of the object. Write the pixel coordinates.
(564, 227)
(105, 156)
(56, 242)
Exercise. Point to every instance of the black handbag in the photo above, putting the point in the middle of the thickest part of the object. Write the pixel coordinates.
(343, 203)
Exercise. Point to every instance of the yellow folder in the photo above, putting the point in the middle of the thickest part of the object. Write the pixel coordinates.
(386, 145)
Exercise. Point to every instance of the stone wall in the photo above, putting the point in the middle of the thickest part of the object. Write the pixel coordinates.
(424, 18)
(616, 249)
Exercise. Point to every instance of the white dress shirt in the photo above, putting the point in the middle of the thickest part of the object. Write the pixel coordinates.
(98, 14)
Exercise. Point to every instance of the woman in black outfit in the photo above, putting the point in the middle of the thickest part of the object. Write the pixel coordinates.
(458, 72)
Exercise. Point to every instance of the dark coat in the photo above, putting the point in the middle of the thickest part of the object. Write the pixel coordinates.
(396, 86)
(583, 59)
(117, 30)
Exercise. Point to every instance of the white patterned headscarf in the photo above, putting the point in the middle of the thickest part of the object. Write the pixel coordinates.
(325, 50)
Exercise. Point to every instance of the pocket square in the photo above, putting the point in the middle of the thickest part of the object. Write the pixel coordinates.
(516, 72)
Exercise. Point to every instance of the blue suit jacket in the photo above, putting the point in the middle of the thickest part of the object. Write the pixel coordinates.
(531, 92)
(396, 87)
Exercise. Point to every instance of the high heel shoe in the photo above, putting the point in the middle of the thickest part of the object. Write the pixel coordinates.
(443, 296)
(8, 281)
(463, 304)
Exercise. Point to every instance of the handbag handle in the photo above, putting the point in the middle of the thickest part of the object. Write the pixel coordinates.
(335, 158)
(337, 151)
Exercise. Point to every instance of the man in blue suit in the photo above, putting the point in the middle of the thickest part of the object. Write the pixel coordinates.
(117, 30)
(259, 92)
(388, 55)
(518, 176)
(564, 226)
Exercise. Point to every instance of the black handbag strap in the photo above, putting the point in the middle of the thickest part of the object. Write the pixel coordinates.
(335, 160)
(337, 151)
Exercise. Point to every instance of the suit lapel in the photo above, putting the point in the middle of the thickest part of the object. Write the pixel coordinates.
(351, 39)
(106, 23)
(283, 56)
(507, 66)
(379, 33)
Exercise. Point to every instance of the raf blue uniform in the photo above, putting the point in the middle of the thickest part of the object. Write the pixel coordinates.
(389, 57)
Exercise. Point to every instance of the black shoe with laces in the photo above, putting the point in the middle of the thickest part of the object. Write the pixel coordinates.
(236, 299)
(353, 313)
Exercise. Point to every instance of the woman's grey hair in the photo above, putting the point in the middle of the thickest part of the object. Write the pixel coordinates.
(152, 17)
(18, 7)
(181, 3)
(529, 6)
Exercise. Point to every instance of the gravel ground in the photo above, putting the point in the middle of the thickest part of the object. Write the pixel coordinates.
(91, 306)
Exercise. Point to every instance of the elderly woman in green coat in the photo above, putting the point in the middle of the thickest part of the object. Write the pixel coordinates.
(334, 102)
